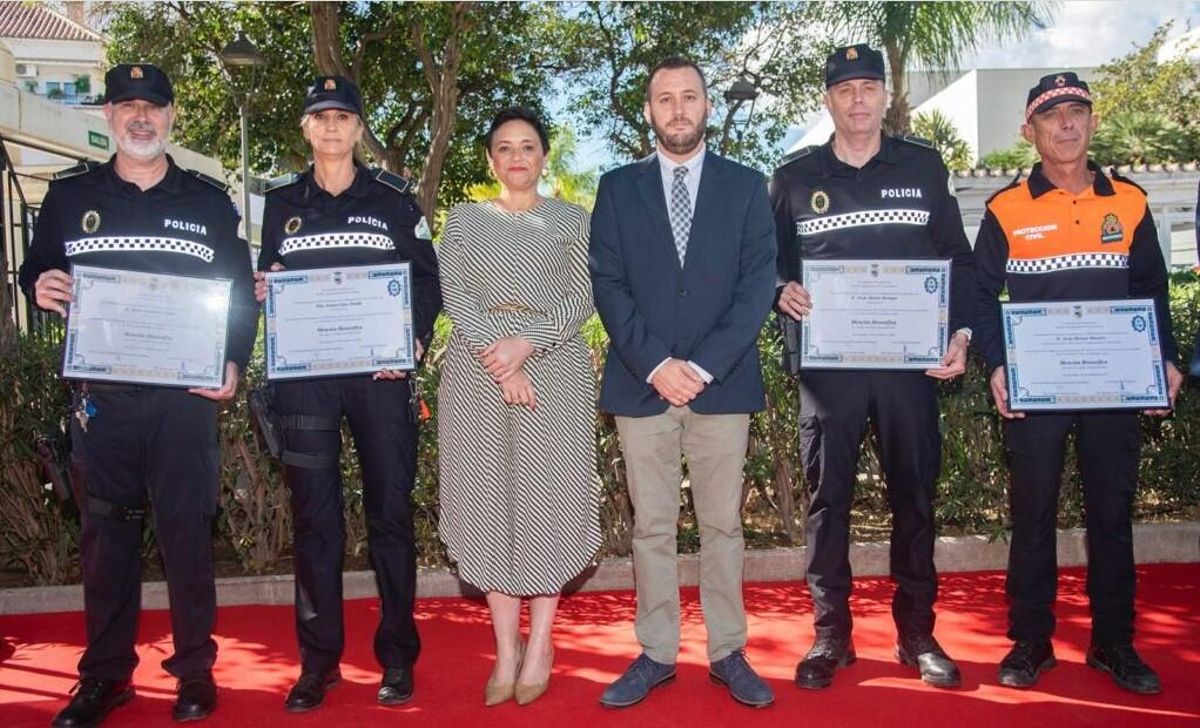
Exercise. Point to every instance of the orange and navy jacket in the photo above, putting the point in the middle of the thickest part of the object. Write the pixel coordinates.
(1047, 244)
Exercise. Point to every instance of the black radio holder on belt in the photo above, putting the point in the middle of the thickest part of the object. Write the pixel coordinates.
(270, 426)
(52, 450)
(789, 331)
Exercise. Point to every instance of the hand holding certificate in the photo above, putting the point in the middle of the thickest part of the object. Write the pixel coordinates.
(875, 314)
(337, 321)
(146, 328)
(1080, 355)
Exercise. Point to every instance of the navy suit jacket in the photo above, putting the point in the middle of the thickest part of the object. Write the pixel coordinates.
(710, 311)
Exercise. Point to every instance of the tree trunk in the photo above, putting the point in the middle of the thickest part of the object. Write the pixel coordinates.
(443, 87)
(330, 59)
(896, 120)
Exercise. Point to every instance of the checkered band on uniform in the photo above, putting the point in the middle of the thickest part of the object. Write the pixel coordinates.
(1068, 262)
(858, 219)
(133, 242)
(325, 241)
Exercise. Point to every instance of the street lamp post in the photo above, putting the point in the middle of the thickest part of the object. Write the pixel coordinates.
(738, 93)
(242, 61)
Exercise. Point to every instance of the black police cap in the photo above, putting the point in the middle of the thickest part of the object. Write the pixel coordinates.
(333, 92)
(851, 62)
(141, 81)
(1054, 89)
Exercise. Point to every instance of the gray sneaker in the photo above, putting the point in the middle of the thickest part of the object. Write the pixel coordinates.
(744, 684)
(639, 679)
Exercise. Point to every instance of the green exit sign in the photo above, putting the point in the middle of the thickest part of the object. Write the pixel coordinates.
(98, 140)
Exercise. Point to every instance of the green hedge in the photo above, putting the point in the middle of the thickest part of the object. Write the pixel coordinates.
(39, 533)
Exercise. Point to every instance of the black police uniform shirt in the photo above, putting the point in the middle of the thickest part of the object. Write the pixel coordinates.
(184, 225)
(900, 204)
(376, 220)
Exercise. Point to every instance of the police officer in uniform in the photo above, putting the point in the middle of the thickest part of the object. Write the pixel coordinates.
(867, 195)
(340, 213)
(141, 212)
(1070, 232)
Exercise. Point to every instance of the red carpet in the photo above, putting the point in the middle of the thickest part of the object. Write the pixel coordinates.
(258, 661)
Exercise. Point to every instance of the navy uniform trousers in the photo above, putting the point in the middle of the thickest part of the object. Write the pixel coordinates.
(1108, 445)
(385, 439)
(835, 410)
(157, 443)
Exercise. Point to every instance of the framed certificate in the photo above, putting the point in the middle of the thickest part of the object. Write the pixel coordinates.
(325, 322)
(146, 328)
(875, 314)
(1080, 355)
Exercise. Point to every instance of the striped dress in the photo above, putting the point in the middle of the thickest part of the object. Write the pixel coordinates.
(519, 491)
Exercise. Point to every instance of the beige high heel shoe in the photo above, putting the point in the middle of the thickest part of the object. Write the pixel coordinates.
(495, 693)
(526, 693)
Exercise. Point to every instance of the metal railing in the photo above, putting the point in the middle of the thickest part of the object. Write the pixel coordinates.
(18, 214)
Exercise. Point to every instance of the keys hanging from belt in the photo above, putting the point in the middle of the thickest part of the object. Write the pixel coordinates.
(418, 410)
(85, 409)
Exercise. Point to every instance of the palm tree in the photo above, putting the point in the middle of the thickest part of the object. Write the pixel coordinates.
(1137, 137)
(939, 129)
(931, 34)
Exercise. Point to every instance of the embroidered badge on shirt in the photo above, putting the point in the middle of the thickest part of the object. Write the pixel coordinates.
(1111, 230)
(819, 202)
(422, 230)
(292, 226)
(90, 222)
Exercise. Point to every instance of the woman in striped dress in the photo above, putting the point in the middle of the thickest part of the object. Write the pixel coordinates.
(519, 491)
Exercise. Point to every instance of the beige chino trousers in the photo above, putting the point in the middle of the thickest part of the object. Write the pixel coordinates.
(715, 449)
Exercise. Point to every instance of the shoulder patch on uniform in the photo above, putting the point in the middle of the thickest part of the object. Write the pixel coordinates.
(81, 168)
(1016, 182)
(1112, 172)
(800, 153)
(919, 141)
(281, 181)
(210, 180)
(395, 181)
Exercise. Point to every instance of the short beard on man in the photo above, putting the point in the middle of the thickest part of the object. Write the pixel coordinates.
(146, 150)
(681, 142)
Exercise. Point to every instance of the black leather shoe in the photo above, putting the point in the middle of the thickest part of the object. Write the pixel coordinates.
(93, 699)
(924, 653)
(309, 690)
(397, 686)
(1126, 667)
(197, 698)
(826, 656)
(1023, 664)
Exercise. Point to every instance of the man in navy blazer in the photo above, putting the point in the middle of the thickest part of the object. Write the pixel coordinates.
(682, 261)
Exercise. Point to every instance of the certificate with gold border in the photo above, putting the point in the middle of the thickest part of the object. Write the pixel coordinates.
(324, 322)
(146, 328)
(1081, 355)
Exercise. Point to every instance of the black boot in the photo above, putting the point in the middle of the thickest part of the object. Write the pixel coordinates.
(196, 698)
(397, 686)
(1023, 664)
(826, 656)
(1126, 667)
(924, 653)
(94, 699)
(309, 690)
